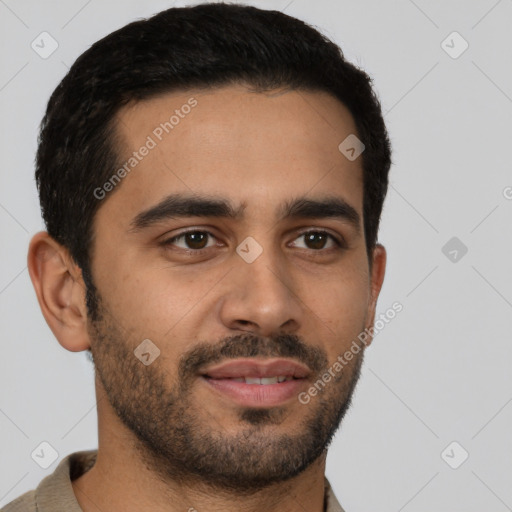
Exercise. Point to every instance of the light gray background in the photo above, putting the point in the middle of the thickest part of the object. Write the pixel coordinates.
(440, 371)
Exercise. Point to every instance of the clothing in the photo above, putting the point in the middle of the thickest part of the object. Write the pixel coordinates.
(55, 492)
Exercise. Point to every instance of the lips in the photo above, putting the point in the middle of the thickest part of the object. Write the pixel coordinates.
(262, 371)
(256, 382)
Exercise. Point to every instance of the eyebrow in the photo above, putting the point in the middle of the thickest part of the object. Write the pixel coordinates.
(180, 206)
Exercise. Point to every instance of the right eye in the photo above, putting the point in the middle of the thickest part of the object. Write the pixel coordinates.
(194, 240)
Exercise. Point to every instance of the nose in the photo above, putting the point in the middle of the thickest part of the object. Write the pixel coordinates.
(261, 298)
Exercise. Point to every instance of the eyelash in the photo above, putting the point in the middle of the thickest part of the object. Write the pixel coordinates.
(340, 244)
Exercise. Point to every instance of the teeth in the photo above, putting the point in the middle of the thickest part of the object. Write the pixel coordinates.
(263, 380)
(252, 380)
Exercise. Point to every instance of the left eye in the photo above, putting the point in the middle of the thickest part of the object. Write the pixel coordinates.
(317, 239)
(197, 240)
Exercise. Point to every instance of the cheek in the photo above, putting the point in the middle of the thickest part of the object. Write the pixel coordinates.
(156, 301)
(341, 307)
(342, 312)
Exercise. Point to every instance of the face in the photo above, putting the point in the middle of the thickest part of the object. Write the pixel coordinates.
(235, 244)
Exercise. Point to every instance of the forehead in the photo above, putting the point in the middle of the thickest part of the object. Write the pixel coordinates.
(255, 148)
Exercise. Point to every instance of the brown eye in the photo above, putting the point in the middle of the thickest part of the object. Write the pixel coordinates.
(193, 240)
(317, 240)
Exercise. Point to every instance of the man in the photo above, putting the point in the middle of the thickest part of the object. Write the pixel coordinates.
(212, 180)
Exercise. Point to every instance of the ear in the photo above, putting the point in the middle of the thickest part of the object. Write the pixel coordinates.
(377, 278)
(60, 291)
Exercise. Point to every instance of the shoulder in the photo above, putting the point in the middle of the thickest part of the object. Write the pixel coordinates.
(24, 503)
(55, 490)
(332, 503)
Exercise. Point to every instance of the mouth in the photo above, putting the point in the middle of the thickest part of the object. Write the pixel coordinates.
(263, 381)
(257, 382)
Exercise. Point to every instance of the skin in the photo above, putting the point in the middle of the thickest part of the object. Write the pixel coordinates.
(255, 149)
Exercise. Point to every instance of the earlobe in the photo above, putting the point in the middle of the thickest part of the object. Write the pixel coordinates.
(377, 278)
(60, 291)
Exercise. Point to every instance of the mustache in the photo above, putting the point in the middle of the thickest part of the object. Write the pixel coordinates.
(249, 345)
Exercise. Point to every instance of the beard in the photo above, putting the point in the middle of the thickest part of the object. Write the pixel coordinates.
(179, 441)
